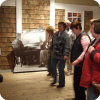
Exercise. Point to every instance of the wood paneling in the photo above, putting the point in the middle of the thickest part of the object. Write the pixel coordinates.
(7, 35)
(59, 16)
(88, 15)
(35, 13)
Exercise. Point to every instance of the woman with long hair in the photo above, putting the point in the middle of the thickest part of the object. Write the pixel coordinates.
(50, 31)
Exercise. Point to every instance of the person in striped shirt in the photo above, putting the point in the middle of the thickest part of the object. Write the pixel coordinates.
(77, 53)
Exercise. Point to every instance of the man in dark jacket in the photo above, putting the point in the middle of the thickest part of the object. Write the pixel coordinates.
(61, 48)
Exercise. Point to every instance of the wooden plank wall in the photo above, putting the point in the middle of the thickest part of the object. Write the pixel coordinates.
(7, 35)
(35, 14)
(88, 15)
(59, 16)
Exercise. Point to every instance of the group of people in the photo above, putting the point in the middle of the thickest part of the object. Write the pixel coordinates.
(76, 46)
(50, 30)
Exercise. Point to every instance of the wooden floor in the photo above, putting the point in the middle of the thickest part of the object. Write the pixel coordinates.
(34, 86)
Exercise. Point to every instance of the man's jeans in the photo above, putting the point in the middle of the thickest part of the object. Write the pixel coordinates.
(90, 94)
(61, 70)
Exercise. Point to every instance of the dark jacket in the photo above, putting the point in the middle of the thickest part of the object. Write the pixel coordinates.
(60, 45)
(77, 48)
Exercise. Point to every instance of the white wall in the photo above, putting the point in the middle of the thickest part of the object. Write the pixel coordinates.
(9, 3)
(71, 7)
(18, 16)
(79, 2)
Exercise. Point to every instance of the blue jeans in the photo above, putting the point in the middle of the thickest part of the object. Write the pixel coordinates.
(90, 94)
(61, 70)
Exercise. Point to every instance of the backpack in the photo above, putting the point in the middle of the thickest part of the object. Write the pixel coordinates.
(1, 78)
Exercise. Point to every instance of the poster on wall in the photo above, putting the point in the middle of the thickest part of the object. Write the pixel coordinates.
(30, 50)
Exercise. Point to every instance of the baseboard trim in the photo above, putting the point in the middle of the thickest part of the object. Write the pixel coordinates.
(6, 71)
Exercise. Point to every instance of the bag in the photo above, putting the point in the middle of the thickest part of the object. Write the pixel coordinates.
(96, 88)
(1, 78)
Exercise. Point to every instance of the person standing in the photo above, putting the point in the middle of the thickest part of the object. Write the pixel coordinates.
(72, 38)
(77, 53)
(61, 48)
(92, 59)
(43, 55)
(89, 32)
(50, 31)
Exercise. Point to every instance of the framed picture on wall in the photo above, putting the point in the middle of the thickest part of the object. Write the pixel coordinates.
(69, 14)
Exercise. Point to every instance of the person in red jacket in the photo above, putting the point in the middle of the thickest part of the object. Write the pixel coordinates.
(92, 58)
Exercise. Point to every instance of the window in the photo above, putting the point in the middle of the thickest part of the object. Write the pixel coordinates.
(75, 16)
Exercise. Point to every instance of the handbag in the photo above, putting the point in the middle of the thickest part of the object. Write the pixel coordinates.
(96, 86)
